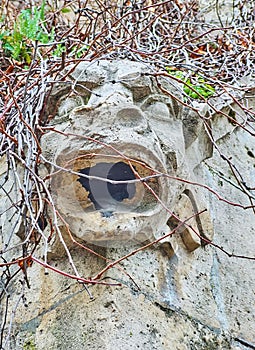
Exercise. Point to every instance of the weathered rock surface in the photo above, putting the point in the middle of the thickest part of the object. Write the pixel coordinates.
(189, 297)
(138, 129)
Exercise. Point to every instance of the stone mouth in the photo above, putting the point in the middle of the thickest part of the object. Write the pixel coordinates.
(113, 186)
(107, 184)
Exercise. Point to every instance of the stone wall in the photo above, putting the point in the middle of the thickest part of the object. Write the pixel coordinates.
(178, 294)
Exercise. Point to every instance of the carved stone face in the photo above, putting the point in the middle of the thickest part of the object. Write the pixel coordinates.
(118, 125)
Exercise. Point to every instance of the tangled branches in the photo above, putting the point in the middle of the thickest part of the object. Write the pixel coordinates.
(169, 36)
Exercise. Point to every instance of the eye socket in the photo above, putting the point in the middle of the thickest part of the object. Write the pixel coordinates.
(68, 104)
(130, 117)
(158, 107)
(159, 110)
(161, 107)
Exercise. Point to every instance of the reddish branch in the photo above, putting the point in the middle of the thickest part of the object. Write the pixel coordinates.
(160, 34)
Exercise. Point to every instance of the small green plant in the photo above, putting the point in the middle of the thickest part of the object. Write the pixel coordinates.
(194, 86)
(79, 51)
(60, 48)
(27, 28)
(76, 51)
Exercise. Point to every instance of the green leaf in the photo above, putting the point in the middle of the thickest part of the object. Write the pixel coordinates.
(27, 27)
(59, 49)
(42, 11)
(65, 10)
(198, 84)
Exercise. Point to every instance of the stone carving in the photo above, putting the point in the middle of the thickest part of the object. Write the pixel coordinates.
(119, 122)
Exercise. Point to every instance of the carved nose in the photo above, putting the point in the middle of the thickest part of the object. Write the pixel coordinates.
(130, 117)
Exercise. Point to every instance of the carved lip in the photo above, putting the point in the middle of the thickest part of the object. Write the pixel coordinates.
(111, 185)
(108, 184)
(101, 211)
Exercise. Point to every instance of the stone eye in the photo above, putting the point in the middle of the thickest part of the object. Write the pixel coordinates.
(68, 104)
(130, 117)
(159, 110)
(158, 107)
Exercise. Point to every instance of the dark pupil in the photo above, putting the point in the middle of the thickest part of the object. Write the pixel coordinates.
(103, 194)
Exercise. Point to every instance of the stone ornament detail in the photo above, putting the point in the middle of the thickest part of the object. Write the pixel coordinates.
(116, 123)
